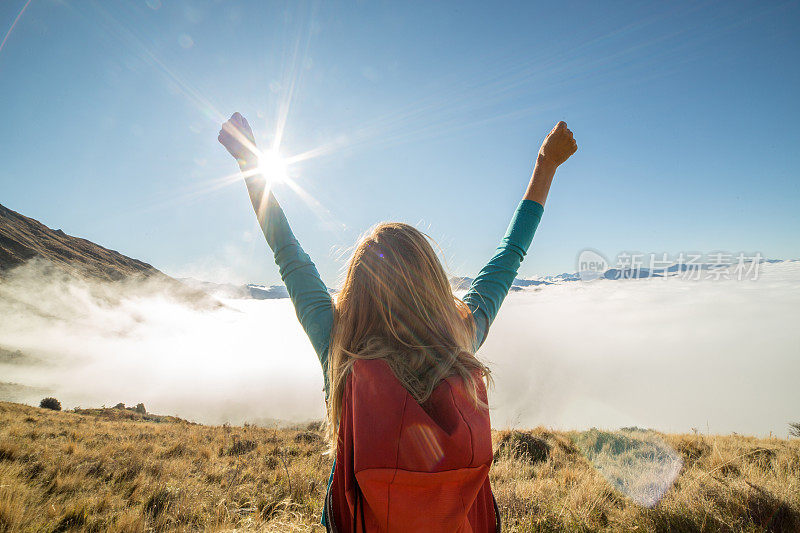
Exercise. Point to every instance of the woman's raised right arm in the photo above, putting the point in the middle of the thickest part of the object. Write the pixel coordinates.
(312, 301)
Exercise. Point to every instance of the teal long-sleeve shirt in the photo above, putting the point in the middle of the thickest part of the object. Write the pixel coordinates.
(313, 303)
(314, 306)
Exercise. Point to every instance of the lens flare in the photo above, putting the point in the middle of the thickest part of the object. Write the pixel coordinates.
(273, 167)
(13, 24)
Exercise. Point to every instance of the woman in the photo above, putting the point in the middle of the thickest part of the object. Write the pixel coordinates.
(406, 396)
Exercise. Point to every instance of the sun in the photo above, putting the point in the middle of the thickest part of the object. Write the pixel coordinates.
(273, 166)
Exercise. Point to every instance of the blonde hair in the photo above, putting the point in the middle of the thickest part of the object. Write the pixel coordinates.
(396, 304)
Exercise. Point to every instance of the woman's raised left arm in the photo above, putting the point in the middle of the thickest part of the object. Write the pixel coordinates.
(491, 285)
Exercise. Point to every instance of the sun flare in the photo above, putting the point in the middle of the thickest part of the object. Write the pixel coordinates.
(273, 166)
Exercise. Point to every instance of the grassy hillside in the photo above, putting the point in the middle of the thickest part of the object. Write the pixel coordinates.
(107, 469)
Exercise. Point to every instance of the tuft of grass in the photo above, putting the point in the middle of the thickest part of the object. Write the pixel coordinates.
(118, 470)
(74, 519)
(308, 437)
(9, 451)
(160, 500)
(241, 447)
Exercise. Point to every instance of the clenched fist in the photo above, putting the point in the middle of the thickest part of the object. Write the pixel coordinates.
(558, 146)
(237, 137)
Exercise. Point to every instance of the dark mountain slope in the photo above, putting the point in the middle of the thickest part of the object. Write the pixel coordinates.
(23, 238)
(57, 256)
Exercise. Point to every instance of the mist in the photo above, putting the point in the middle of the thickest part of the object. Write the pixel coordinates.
(668, 354)
(244, 360)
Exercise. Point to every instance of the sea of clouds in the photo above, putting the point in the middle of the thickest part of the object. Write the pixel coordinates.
(671, 354)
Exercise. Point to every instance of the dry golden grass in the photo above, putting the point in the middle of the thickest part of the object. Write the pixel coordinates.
(109, 471)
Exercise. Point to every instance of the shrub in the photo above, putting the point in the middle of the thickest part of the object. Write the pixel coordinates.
(524, 446)
(50, 403)
(794, 429)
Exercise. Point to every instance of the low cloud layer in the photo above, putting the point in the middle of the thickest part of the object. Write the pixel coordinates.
(246, 361)
(669, 354)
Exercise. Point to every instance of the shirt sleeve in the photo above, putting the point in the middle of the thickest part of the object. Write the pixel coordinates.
(312, 301)
(491, 285)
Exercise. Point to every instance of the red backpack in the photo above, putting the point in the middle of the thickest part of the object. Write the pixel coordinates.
(405, 466)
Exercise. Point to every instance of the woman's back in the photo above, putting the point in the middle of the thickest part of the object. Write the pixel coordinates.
(405, 466)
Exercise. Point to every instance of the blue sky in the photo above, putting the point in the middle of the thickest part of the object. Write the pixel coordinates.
(685, 115)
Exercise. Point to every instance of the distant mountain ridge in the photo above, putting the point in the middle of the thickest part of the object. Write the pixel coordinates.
(458, 283)
(23, 239)
(231, 290)
(274, 292)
